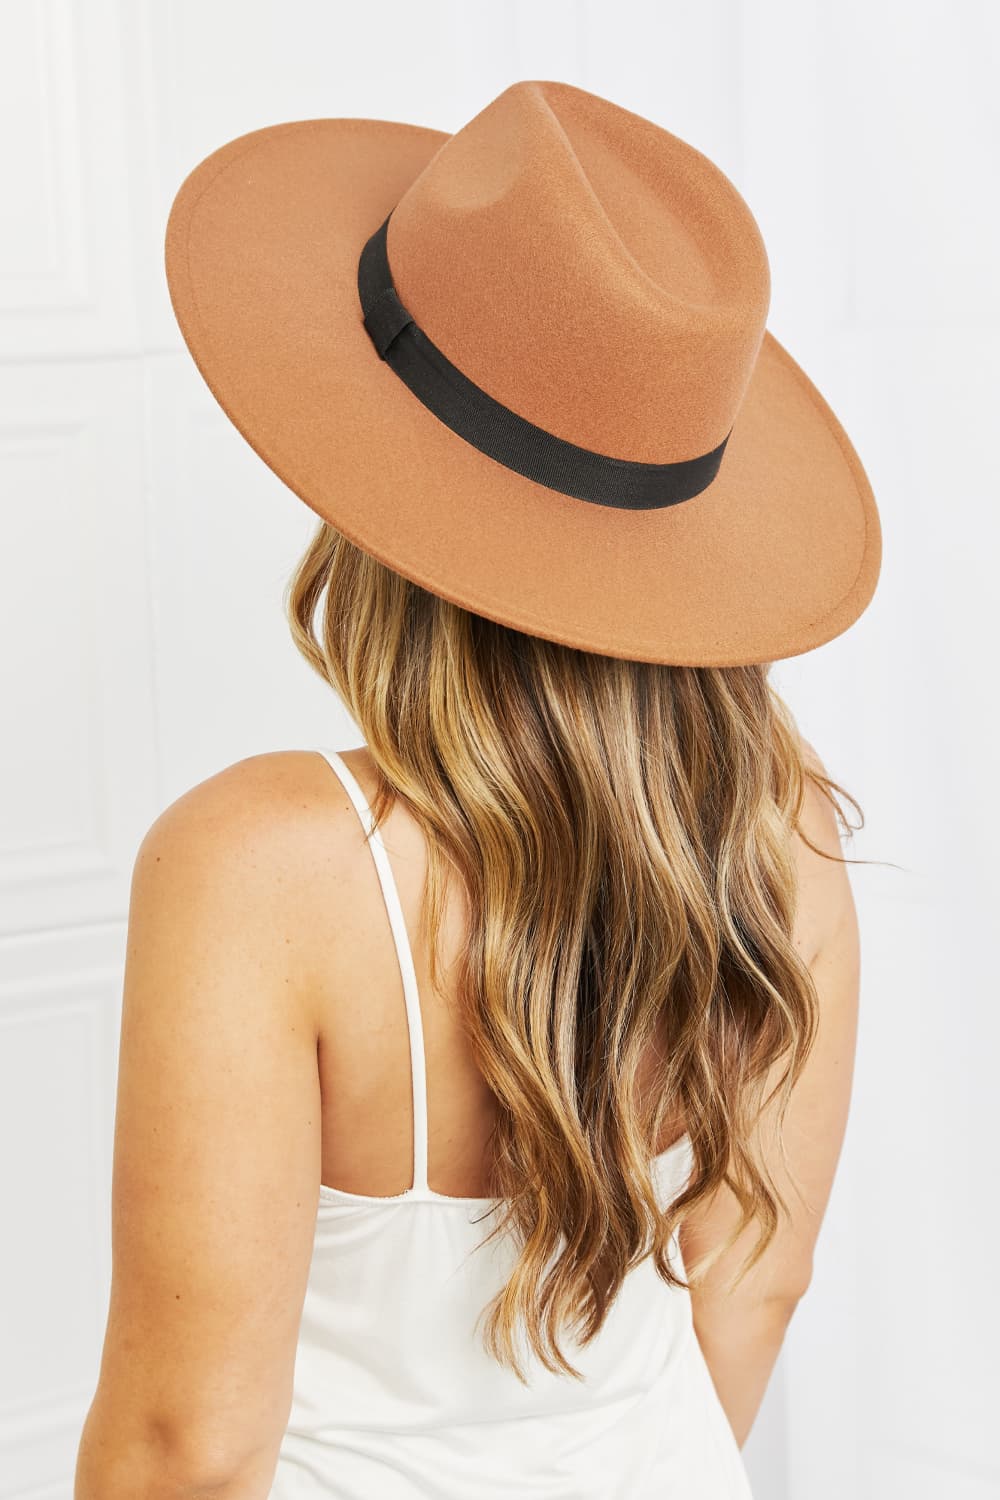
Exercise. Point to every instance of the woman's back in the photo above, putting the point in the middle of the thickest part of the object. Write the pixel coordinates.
(394, 1393)
(364, 1061)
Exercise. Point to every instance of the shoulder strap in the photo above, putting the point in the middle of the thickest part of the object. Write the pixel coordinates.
(404, 954)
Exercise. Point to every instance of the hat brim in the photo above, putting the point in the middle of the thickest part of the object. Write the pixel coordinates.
(780, 554)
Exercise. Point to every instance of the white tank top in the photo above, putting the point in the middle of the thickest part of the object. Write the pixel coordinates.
(395, 1397)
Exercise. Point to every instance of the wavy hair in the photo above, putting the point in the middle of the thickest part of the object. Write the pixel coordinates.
(621, 830)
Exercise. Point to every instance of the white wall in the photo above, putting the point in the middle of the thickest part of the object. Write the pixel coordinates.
(144, 548)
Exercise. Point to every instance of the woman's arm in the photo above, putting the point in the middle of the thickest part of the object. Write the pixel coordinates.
(216, 1156)
(741, 1333)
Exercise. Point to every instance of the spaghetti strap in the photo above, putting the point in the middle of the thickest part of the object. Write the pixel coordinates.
(404, 953)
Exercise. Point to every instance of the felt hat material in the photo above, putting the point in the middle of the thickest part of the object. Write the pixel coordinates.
(598, 277)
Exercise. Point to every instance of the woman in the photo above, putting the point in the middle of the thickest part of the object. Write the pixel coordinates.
(479, 1102)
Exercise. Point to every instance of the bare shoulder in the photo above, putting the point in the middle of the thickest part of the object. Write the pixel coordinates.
(825, 898)
(262, 841)
(281, 802)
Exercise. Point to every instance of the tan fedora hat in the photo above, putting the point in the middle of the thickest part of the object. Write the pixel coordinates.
(526, 366)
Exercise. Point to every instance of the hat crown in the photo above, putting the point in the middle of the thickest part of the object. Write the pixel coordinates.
(589, 270)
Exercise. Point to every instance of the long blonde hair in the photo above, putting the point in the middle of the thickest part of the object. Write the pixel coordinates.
(621, 831)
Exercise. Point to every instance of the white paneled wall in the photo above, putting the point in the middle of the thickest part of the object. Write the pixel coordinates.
(144, 548)
(871, 139)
